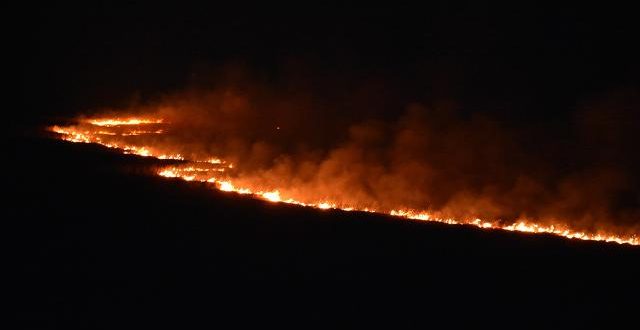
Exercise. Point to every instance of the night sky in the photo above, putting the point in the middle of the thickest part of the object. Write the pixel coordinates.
(563, 82)
(521, 61)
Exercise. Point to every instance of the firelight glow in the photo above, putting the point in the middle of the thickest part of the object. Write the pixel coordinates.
(120, 134)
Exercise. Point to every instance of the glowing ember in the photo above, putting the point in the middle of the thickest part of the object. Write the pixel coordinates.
(116, 132)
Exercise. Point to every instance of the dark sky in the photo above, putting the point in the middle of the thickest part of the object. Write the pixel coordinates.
(521, 62)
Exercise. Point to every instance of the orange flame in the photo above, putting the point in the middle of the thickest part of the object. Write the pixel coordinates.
(110, 122)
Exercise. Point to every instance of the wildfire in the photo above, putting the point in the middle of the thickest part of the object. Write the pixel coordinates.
(115, 132)
(96, 131)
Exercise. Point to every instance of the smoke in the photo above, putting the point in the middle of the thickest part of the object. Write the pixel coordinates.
(364, 144)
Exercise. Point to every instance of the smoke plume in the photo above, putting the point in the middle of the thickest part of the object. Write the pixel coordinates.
(366, 144)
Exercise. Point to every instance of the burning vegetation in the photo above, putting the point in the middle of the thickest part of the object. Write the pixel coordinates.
(404, 170)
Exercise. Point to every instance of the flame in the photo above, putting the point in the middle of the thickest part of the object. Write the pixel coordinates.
(86, 132)
(139, 132)
(272, 196)
(208, 169)
(110, 122)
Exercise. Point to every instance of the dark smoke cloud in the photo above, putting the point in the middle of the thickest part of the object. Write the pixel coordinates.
(361, 142)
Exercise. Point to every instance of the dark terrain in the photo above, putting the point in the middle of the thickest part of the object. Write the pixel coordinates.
(105, 244)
